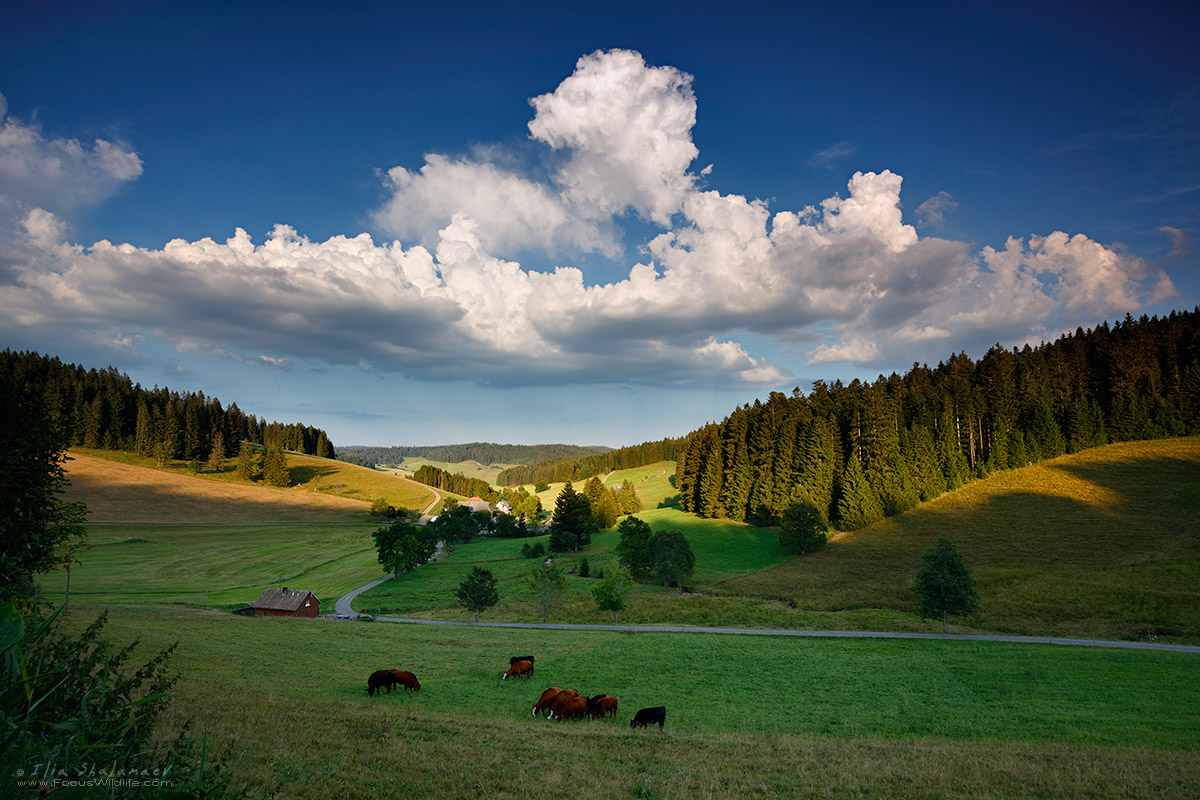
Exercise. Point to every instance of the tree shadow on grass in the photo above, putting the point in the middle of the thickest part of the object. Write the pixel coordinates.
(308, 472)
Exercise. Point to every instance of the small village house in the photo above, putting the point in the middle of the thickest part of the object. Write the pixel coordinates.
(285, 602)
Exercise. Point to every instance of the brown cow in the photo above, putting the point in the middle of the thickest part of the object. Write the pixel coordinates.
(407, 680)
(605, 707)
(574, 707)
(543, 703)
(518, 669)
(563, 697)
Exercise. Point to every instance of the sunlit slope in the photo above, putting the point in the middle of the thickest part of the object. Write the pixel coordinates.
(168, 535)
(1104, 543)
(118, 487)
(116, 492)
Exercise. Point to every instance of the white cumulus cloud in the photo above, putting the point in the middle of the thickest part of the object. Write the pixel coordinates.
(56, 173)
(446, 300)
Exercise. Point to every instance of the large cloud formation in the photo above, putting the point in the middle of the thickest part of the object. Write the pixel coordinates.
(449, 304)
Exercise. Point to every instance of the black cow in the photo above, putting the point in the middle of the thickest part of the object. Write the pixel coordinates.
(649, 716)
(515, 659)
(379, 679)
(591, 702)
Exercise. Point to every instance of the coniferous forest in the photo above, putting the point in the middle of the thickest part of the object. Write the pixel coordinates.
(558, 470)
(483, 452)
(862, 451)
(104, 409)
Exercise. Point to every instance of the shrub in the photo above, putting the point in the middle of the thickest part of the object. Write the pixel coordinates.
(72, 702)
(671, 557)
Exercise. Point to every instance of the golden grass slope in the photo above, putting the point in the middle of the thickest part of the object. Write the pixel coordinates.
(119, 492)
(1104, 544)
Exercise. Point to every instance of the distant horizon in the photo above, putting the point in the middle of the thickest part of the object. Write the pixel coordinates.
(613, 225)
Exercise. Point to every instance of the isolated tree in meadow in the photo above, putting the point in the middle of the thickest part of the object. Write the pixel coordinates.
(671, 557)
(455, 524)
(801, 529)
(403, 546)
(633, 548)
(36, 526)
(381, 509)
(611, 591)
(548, 583)
(944, 585)
(572, 525)
(478, 592)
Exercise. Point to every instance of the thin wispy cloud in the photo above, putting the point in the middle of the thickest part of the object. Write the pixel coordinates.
(832, 156)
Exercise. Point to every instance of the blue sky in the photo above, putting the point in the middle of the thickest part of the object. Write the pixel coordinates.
(418, 225)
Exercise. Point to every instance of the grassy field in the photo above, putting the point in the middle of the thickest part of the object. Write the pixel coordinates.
(723, 549)
(1102, 544)
(746, 716)
(1080, 543)
(220, 565)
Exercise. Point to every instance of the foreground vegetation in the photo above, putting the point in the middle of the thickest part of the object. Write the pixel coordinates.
(746, 716)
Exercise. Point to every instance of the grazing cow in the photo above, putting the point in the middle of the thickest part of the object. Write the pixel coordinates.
(407, 680)
(592, 702)
(379, 679)
(604, 707)
(547, 698)
(649, 716)
(563, 697)
(515, 659)
(518, 669)
(573, 707)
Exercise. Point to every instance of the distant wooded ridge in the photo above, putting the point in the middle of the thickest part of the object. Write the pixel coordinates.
(558, 470)
(862, 451)
(104, 409)
(483, 452)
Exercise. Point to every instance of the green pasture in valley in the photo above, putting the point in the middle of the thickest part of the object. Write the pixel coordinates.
(746, 715)
(723, 549)
(222, 565)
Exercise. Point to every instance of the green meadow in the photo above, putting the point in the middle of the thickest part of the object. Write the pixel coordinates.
(746, 715)
(1100, 543)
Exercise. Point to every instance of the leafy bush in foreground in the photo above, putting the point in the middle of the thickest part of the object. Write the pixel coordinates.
(75, 718)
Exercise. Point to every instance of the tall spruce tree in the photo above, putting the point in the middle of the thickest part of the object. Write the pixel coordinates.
(858, 505)
(571, 527)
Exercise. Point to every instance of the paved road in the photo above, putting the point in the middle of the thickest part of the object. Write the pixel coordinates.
(343, 606)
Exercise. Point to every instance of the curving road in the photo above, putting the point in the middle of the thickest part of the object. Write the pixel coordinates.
(343, 607)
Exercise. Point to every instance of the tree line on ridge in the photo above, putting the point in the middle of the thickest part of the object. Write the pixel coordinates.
(103, 409)
(861, 451)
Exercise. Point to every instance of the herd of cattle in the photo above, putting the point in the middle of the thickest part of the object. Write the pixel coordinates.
(557, 704)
